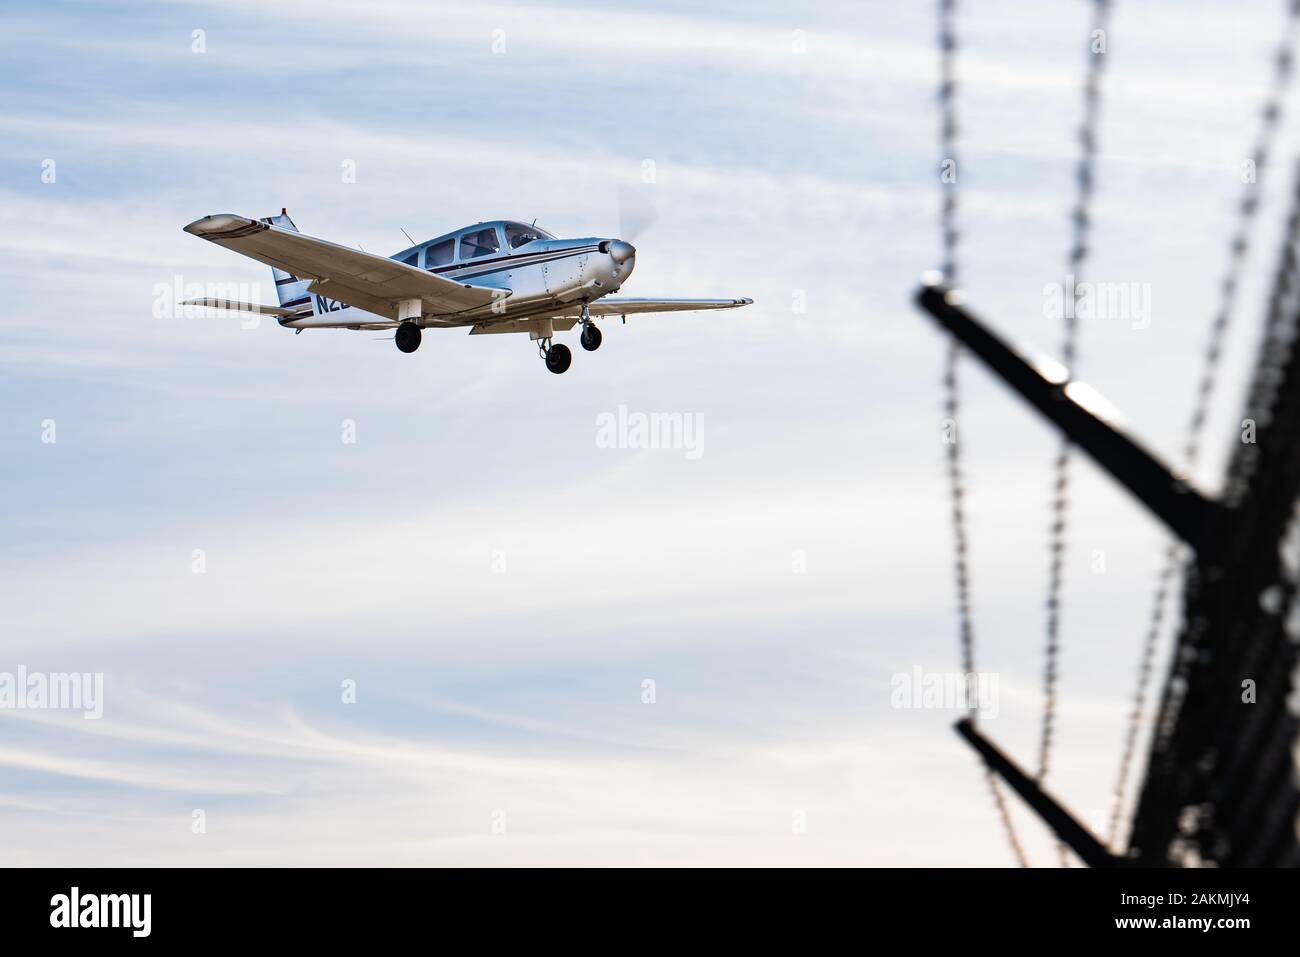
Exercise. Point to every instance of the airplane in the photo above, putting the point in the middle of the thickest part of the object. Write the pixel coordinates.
(495, 277)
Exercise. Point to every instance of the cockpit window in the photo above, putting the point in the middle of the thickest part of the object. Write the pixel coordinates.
(440, 254)
(483, 242)
(517, 234)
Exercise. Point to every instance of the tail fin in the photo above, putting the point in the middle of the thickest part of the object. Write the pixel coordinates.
(291, 291)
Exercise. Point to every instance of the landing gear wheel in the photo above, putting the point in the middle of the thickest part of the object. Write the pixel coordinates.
(558, 358)
(408, 337)
(590, 338)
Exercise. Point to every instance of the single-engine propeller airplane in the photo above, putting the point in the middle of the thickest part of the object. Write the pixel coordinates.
(495, 277)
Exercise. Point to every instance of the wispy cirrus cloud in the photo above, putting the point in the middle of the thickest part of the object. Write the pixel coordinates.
(769, 589)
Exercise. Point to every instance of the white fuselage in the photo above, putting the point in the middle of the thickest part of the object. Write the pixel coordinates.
(542, 277)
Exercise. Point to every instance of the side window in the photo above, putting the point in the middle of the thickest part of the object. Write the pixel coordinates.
(440, 254)
(480, 243)
(517, 234)
(412, 259)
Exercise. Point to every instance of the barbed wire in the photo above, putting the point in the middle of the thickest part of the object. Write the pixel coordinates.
(1238, 250)
(1081, 222)
(951, 384)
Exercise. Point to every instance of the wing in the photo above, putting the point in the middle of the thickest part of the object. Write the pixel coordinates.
(566, 317)
(558, 324)
(628, 307)
(363, 280)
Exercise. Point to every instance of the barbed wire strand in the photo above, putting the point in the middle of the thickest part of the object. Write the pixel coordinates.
(1081, 222)
(1238, 250)
(951, 387)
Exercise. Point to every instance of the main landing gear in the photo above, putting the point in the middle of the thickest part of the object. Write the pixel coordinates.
(591, 336)
(558, 357)
(408, 337)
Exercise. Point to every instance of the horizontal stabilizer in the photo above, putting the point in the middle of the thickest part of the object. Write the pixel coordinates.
(233, 306)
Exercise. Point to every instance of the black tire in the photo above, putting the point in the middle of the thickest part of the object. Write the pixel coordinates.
(558, 358)
(408, 337)
(590, 338)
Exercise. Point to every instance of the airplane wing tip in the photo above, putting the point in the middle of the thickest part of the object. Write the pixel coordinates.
(215, 226)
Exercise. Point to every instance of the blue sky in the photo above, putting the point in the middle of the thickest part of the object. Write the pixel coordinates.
(516, 696)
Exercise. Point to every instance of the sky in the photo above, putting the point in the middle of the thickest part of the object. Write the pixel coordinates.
(355, 607)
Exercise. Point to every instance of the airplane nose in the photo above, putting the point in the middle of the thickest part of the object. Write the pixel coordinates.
(621, 251)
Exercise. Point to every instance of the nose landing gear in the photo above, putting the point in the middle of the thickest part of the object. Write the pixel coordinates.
(591, 336)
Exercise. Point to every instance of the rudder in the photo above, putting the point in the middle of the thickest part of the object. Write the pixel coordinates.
(289, 289)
